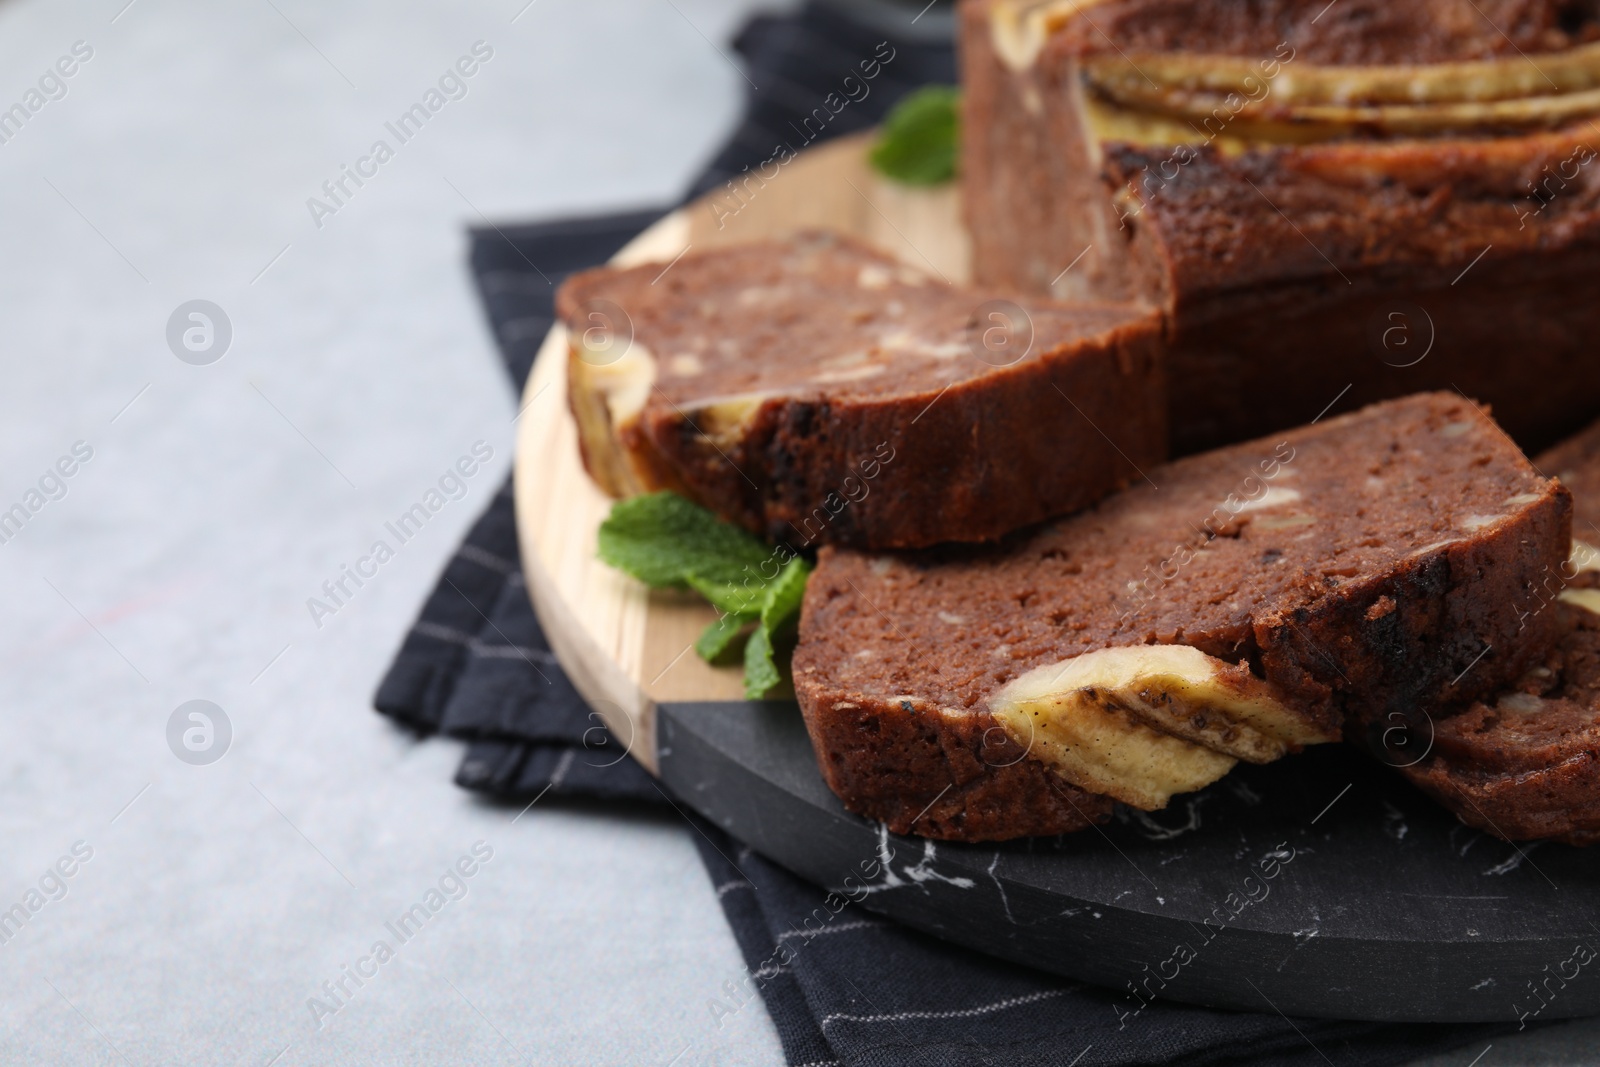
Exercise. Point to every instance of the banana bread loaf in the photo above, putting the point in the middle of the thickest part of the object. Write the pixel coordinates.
(815, 391)
(1236, 605)
(1367, 196)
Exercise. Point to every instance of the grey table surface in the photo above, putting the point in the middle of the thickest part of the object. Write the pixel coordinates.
(174, 164)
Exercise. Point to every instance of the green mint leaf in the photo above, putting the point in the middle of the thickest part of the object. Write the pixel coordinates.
(741, 598)
(760, 671)
(719, 636)
(664, 540)
(780, 603)
(921, 136)
(784, 593)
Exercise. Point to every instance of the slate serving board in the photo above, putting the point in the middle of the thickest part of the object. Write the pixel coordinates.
(1321, 885)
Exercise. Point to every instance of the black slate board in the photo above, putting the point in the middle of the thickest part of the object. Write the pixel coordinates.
(1319, 886)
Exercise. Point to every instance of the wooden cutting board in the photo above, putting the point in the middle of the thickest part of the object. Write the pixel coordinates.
(1321, 885)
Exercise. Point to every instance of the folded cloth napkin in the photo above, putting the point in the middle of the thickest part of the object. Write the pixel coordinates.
(476, 664)
(842, 985)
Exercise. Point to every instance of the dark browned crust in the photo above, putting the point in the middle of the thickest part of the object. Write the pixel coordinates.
(1242, 227)
(1557, 803)
(1346, 652)
(968, 460)
(1280, 269)
(1532, 772)
(1535, 773)
(1360, 658)
(1349, 32)
(1285, 267)
(986, 458)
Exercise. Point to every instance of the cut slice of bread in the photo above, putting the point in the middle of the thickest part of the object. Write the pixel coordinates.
(1238, 605)
(1525, 763)
(815, 391)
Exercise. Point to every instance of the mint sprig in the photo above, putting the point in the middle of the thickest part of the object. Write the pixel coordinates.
(669, 543)
(665, 541)
(720, 636)
(780, 602)
(920, 137)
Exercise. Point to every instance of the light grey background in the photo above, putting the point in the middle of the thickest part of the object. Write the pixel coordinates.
(219, 898)
(177, 167)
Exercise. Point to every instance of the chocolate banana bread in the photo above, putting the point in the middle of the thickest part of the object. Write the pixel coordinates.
(1576, 461)
(1232, 605)
(815, 391)
(1525, 764)
(1357, 201)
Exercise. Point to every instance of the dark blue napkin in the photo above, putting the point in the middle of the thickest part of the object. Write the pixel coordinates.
(852, 989)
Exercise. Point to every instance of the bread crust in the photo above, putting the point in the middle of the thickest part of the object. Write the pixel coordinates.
(1520, 799)
(1353, 32)
(1524, 763)
(1285, 269)
(1526, 766)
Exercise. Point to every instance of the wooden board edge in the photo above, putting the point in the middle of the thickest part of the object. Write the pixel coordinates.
(605, 684)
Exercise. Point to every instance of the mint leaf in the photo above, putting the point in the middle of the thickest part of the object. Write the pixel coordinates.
(719, 636)
(760, 671)
(663, 540)
(779, 604)
(667, 542)
(744, 598)
(920, 137)
(784, 593)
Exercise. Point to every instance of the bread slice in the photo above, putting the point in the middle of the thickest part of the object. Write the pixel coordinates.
(1576, 461)
(1525, 764)
(814, 391)
(1377, 197)
(1237, 605)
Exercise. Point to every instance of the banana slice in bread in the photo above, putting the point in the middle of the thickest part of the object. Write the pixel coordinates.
(1141, 723)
